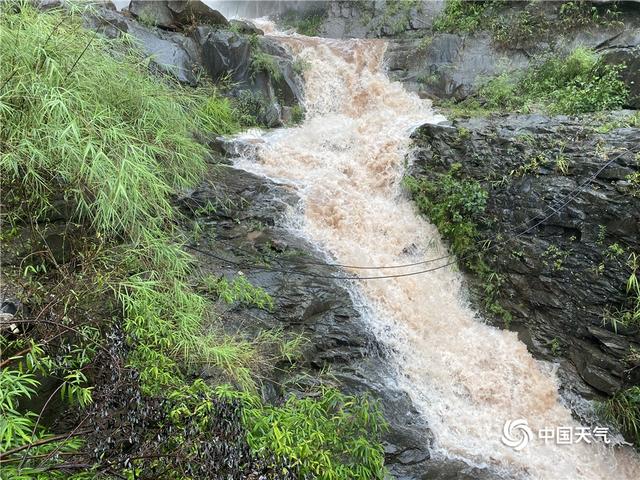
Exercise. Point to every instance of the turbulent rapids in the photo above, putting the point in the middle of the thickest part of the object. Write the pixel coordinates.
(346, 163)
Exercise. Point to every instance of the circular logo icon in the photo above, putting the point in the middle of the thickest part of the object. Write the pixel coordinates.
(516, 434)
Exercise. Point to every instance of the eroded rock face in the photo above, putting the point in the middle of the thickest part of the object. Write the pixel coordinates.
(245, 229)
(565, 274)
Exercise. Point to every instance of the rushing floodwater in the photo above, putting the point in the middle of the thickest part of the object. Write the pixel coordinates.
(346, 163)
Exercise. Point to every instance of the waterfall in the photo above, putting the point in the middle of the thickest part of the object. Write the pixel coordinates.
(346, 163)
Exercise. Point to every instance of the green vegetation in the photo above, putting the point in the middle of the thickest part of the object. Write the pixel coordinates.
(456, 206)
(555, 347)
(308, 24)
(462, 16)
(554, 258)
(509, 26)
(92, 143)
(301, 65)
(577, 83)
(332, 438)
(263, 62)
(629, 315)
(623, 410)
(396, 16)
(632, 120)
(297, 114)
(238, 290)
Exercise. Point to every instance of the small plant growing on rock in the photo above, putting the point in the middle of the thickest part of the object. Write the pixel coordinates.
(623, 410)
(301, 65)
(555, 257)
(263, 62)
(630, 315)
(562, 164)
(614, 250)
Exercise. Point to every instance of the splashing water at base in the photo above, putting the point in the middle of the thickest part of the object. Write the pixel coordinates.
(346, 162)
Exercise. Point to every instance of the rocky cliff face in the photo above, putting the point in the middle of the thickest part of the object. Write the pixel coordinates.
(446, 54)
(566, 274)
(198, 44)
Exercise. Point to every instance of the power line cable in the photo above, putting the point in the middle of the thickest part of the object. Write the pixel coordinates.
(554, 209)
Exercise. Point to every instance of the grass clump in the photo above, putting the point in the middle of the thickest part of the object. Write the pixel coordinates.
(629, 315)
(265, 63)
(238, 290)
(623, 410)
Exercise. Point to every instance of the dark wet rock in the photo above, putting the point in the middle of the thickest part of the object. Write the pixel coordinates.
(170, 52)
(450, 65)
(224, 53)
(245, 229)
(347, 19)
(562, 277)
(175, 15)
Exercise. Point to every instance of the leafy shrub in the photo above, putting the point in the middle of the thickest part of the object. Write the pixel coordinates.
(84, 122)
(330, 437)
(577, 83)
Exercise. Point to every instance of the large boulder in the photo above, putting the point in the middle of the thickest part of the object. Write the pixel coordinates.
(224, 53)
(229, 54)
(175, 15)
(170, 52)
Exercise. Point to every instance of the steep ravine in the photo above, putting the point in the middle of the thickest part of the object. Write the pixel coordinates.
(467, 379)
